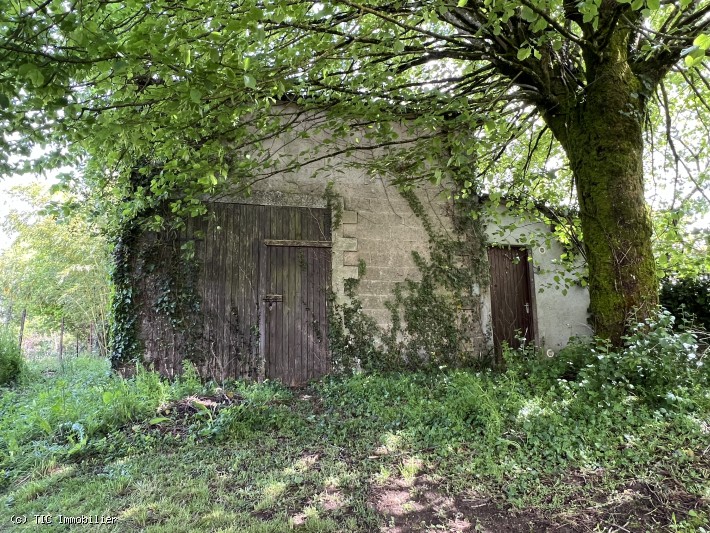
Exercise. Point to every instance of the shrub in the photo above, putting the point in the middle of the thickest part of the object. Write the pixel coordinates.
(10, 357)
(655, 363)
(688, 297)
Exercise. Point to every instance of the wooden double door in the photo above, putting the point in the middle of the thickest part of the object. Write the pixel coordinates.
(265, 279)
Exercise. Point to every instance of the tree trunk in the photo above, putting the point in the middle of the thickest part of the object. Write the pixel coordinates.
(602, 136)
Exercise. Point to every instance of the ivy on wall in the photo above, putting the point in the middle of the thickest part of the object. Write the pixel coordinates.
(154, 272)
(433, 319)
(124, 345)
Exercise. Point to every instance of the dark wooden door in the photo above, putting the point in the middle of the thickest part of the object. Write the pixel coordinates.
(295, 283)
(511, 297)
(296, 320)
(264, 283)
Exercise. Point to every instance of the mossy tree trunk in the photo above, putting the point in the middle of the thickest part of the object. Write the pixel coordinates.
(601, 132)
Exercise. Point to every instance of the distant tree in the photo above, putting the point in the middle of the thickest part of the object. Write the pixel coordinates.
(55, 269)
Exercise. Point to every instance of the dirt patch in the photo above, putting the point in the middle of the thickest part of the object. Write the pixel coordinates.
(420, 506)
(638, 506)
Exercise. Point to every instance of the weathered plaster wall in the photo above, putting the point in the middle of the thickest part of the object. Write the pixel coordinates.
(559, 316)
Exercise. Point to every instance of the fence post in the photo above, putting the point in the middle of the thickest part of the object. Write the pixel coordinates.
(22, 327)
(61, 345)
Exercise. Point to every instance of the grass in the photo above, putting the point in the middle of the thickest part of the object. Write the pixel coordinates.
(445, 451)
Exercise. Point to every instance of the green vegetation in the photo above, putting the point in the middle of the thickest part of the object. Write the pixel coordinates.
(589, 438)
(10, 357)
(688, 297)
(57, 267)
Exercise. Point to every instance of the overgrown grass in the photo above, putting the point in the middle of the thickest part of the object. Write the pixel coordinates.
(548, 442)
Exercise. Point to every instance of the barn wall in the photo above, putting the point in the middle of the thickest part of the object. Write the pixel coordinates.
(379, 228)
(559, 316)
(375, 227)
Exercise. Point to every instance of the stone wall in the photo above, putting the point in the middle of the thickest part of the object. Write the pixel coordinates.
(375, 227)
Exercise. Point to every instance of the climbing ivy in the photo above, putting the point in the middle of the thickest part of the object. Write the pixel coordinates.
(431, 318)
(353, 336)
(334, 203)
(154, 271)
(124, 345)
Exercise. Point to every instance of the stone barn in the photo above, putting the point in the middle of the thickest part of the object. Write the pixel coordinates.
(328, 266)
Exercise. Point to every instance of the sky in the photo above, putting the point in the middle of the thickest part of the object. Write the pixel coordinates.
(9, 203)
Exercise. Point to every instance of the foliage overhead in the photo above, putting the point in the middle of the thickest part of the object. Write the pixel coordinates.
(162, 102)
(175, 84)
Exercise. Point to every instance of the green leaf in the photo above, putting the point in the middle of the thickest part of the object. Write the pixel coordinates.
(702, 41)
(249, 81)
(524, 53)
(199, 406)
(636, 5)
(36, 77)
(158, 420)
(195, 96)
(528, 14)
(462, 3)
(25, 69)
(4, 101)
(653, 4)
(691, 61)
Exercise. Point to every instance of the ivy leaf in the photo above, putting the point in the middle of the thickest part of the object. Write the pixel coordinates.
(653, 4)
(462, 3)
(249, 81)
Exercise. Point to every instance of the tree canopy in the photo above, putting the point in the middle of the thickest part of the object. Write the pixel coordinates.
(164, 102)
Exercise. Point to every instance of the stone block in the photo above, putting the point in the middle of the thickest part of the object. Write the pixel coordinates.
(349, 230)
(373, 302)
(382, 316)
(349, 217)
(351, 258)
(346, 244)
(349, 272)
(379, 220)
(395, 207)
(354, 203)
(377, 287)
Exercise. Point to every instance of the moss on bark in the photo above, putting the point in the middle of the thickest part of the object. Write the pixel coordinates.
(601, 132)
